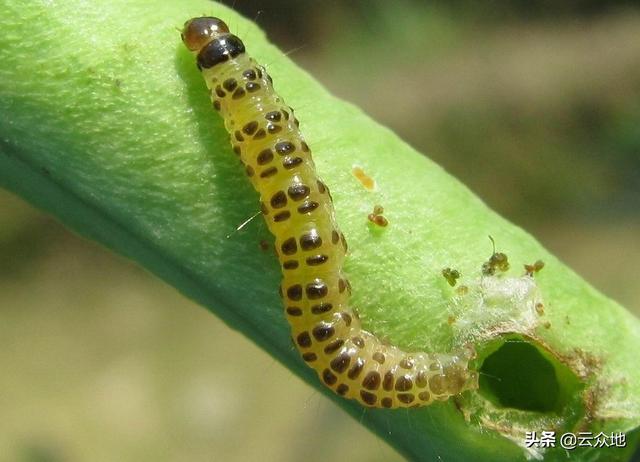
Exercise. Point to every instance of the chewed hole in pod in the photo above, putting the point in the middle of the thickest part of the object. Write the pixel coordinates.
(520, 374)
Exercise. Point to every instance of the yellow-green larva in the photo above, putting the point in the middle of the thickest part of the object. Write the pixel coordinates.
(299, 212)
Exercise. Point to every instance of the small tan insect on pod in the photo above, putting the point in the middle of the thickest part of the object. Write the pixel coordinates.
(299, 212)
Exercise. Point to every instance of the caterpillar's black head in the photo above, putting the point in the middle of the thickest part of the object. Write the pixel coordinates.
(219, 50)
(197, 32)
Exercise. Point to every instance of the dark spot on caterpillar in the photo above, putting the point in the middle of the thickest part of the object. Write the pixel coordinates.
(273, 128)
(297, 122)
(239, 136)
(378, 357)
(321, 187)
(259, 72)
(216, 105)
(291, 162)
(264, 157)
(344, 242)
(249, 74)
(387, 382)
(294, 292)
(220, 92)
(424, 396)
(421, 379)
(284, 147)
(406, 397)
(260, 134)
(335, 237)
(286, 114)
(340, 363)
(290, 264)
(368, 398)
(307, 207)
(263, 208)
(334, 346)
(321, 308)
(309, 357)
(281, 216)
(294, 311)
(278, 200)
(250, 128)
(404, 383)
(230, 84)
(329, 377)
(304, 146)
(341, 285)
(239, 93)
(316, 289)
(386, 402)
(237, 150)
(356, 369)
(249, 170)
(371, 381)
(346, 317)
(289, 246)
(304, 340)
(317, 260)
(323, 331)
(273, 116)
(310, 240)
(358, 341)
(252, 87)
(298, 191)
(342, 389)
(269, 172)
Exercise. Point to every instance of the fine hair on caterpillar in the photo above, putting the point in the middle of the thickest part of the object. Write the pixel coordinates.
(298, 209)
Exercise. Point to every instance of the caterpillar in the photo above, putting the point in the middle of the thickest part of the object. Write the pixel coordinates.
(298, 210)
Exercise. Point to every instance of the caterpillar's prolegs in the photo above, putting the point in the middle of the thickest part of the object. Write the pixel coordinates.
(298, 210)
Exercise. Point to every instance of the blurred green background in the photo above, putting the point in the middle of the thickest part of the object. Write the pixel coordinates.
(535, 105)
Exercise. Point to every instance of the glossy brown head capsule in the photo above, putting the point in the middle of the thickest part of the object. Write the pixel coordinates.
(197, 32)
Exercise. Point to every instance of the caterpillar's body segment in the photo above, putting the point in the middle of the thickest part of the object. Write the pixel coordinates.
(299, 212)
